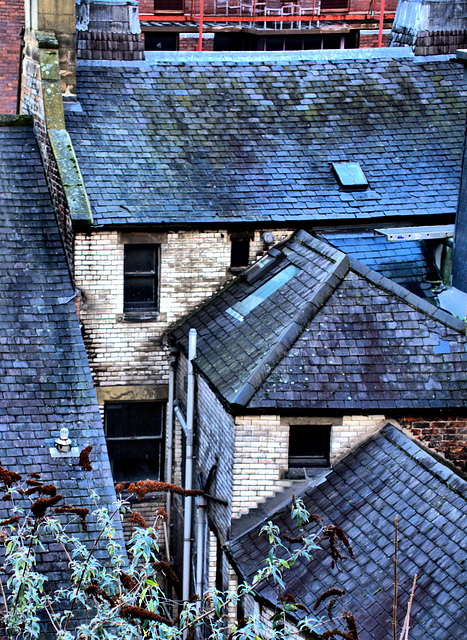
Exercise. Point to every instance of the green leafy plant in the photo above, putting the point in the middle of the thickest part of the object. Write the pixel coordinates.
(120, 596)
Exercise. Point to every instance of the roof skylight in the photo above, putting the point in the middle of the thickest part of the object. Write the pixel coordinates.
(240, 309)
(350, 175)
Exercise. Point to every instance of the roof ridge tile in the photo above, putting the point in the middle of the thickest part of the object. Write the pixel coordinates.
(407, 296)
(337, 272)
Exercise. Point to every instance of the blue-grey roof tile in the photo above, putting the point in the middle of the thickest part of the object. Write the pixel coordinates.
(252, 140)
(429, 541)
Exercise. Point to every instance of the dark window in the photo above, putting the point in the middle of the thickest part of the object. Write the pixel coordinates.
(235, 42)
(309, 446)
(169, 6)
(134, 434)
(333, 5)
(141, 268)
(160, 41)
(239, 252)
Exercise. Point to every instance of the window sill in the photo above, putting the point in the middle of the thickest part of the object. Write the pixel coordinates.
(141, 316)
(237, 270)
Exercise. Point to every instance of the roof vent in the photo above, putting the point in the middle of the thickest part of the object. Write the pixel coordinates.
(350, 176)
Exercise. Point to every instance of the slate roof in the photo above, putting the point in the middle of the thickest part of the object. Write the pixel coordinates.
(249, 138)
(409, 262)
(45, 380)
(337, 335)
(388, 475)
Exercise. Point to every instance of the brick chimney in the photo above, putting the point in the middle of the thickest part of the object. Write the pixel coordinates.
(109, 30)
(430, 27)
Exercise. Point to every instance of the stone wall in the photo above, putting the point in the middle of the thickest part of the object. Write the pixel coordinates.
(41, 98)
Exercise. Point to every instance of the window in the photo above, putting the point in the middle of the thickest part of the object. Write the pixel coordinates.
(309, 446)
(332, 5)
(241, 309)
(141, 275)
(168, 6)
(239, 251)
(160, 41)
(134, 433)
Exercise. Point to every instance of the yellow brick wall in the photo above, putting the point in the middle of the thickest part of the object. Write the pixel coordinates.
(261, 454)
(194, 265)
(353, 430)
(260, 460)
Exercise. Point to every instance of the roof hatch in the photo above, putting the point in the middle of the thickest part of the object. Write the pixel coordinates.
(350, 175)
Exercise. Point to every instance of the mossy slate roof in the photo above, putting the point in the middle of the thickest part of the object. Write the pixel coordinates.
(337, 335)
(45, 380)
(388, 475)
(215, 139)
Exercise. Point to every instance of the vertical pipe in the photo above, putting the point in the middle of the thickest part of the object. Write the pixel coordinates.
(381, 22)
(190, 401)
(169, 432)
(200, 546)
(201, 22)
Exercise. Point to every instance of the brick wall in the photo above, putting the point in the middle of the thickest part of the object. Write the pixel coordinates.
(369, 38)
(215, 438)
(353, 430)
(11, 22)
(261, 460)
(194, 265)
(372, 7)
(447, 436)
(189, 42)
(261, 454)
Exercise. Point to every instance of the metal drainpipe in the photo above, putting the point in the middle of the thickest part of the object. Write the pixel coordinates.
(169, 428)
(190, 405)
(201, 503)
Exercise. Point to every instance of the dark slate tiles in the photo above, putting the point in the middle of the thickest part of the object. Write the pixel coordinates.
(45, 380)
(335, 336)
(408, 263)
(234, 351)
(363, 494)
(201, 140)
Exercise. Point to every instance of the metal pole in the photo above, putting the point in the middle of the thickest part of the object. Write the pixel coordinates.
(200, 544)
(381, 22)
(201, 21)
(190, 402)
(169, 431)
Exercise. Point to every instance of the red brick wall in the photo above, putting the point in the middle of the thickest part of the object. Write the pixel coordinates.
(370, 40)
(11, 21)
(191, 43)
(447, 435)
(372, 6)
(146, 7)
